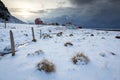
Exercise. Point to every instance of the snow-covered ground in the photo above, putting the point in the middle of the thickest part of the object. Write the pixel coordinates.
(101, 47)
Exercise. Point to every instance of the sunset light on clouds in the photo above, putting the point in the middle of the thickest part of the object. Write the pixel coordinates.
(28, 8)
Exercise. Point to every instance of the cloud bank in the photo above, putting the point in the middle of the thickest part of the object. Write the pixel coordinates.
(88, 13)
(97, 13)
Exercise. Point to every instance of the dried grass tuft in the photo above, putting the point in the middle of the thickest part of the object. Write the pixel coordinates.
(46, 66)
(80, 58)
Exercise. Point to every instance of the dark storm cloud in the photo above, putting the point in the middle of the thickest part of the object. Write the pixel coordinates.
(114, 1)
(82, 2)
(100, 12)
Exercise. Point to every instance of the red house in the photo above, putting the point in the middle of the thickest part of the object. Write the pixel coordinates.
(38, 21)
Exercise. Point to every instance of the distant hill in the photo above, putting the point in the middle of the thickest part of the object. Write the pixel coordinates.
(5, 15)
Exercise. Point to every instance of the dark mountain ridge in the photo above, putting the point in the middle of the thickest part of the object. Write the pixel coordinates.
(6, 16)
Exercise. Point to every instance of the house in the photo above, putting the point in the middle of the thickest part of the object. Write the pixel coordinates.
(38, 21)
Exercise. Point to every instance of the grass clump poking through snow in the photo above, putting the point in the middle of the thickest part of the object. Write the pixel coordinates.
(71, 35)
(38, 52)
(92, 35)
(68, 44)
(46, 66)
(118, 37)
(46, 36)
(80, 59)
(59, 34)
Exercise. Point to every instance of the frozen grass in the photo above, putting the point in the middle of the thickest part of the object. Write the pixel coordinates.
(46, 36)
(118, 37)
(46, 66)
(92, 35)
(38, 52)
(71, 35)
(68, 44)
(80, 58)
(59, 34)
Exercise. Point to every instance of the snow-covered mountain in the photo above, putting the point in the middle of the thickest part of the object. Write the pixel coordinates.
(5, 15)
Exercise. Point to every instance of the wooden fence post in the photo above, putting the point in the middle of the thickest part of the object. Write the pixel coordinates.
(34, 40)
(40, 33)
(5, 24)
(12, 43)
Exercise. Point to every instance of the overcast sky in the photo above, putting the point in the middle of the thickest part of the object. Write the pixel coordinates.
(84, 12)
(33, 8)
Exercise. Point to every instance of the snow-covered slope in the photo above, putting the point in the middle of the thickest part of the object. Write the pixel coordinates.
(101, 47)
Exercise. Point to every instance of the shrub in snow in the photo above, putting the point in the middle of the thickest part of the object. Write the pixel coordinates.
(46, 36)
(50, 30)
(71, 35)
(59, 34)
(118, 37)
(39, 52)
(112, 53)
(80, 59)
(25, 34)
(68, 44)
(46, 66)
(79, 27)
(92, 35)
(105, 55)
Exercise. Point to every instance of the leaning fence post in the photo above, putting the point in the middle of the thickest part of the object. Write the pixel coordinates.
(12, 43)
(40, 33)
(34, 40)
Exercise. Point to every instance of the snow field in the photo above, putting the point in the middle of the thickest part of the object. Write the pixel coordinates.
(103, 64)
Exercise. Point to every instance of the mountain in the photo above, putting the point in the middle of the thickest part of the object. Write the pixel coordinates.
(5, 15)
(87, 22)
